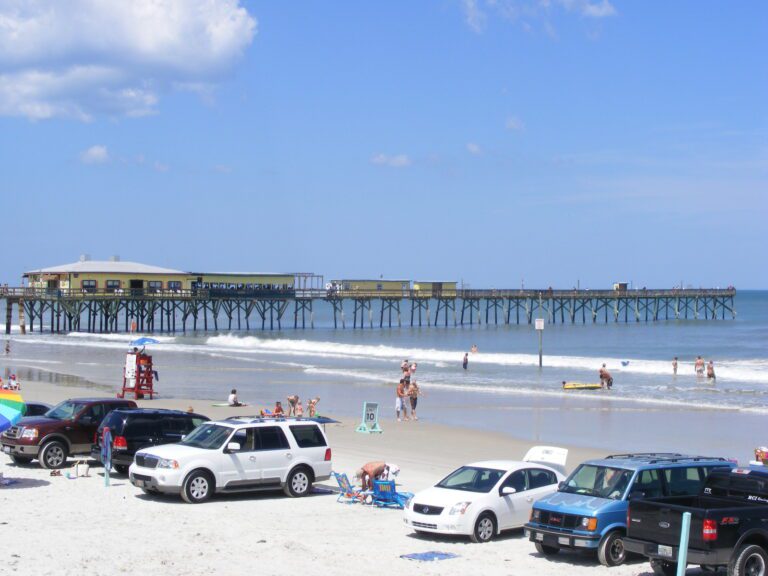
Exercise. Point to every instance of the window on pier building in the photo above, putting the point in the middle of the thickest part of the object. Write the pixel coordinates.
(111, 285)
(89, 285)
(176, 285)
(154, 286)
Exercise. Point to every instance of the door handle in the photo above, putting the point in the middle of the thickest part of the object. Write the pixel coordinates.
(252, 458)
(289, 455)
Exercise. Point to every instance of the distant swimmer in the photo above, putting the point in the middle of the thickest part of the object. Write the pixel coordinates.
(473, 349)
(674, 365)
(7, 346)
(711, 370)
(606, 381)
(465, 362)
(699, 366)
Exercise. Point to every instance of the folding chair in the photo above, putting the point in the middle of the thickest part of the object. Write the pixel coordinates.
(348, 494)
(385, 495)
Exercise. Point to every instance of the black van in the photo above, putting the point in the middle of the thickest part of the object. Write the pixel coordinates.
(139, 428)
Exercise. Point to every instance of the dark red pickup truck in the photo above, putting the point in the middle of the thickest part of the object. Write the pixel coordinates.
(729, 525)
(65, 430)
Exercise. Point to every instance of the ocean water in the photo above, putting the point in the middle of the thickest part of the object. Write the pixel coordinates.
(502, 390)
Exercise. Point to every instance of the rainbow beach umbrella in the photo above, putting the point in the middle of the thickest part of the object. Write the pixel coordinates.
(12, 408)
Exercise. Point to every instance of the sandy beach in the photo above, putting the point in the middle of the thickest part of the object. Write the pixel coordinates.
(54, 525)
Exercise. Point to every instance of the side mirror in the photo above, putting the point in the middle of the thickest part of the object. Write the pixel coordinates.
(560, 485)
(233, 447)
(507, 490)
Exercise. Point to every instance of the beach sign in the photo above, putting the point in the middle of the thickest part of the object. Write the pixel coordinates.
(370, 423)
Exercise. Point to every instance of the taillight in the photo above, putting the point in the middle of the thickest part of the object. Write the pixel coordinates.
(709, 530)
(96, 437)
(327, 454)
(119, 443)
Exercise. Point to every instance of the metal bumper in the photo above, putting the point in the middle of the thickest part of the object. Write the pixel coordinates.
(117, 457)
(150, 483)
(558, 539)
(670, 553)
(28, 450)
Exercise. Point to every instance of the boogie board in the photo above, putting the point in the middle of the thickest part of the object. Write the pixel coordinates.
(580, 386)
(227, 404)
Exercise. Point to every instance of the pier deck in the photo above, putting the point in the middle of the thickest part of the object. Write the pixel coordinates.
(178, 310)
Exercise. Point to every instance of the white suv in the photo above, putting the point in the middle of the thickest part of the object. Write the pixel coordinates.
(236, 455)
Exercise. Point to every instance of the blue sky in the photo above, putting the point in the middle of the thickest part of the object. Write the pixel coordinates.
(550, 142)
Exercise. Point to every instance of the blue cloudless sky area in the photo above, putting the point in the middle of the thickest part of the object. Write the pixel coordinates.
(494, 143)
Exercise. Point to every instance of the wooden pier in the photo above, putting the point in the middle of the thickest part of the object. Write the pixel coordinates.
(60, 311)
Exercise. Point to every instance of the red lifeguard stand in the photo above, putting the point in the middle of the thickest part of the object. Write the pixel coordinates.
(138, 376)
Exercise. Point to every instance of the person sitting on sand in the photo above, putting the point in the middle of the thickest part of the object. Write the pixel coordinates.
(312, 406)
(278, 411)
(710, 370)
(232, 400)
(293, 400)
(13, 384)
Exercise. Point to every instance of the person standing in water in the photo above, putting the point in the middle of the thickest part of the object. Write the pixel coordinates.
(674, 365)
(465, 362)
(711, 370)
(699, 366)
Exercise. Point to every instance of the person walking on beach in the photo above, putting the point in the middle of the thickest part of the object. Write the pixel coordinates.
(465, 362)
(400, 402)
(413, 393)
(293, 401)
(699, 366)
(711, 370)
(674, 365)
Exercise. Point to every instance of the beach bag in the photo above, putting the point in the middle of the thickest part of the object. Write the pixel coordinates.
(81, 468)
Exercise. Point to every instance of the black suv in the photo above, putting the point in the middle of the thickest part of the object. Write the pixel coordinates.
(140, 428)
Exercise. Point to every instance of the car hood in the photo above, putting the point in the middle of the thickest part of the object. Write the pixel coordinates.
(39, 422)
(445, 497)
(569, 503)
(174, 451)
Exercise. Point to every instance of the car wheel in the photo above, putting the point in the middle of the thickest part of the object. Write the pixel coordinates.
(198, 487)
(611, 550)
(749, 560)
(545, 550)
(663, 567)
(485, 528)
(298, 483)
(121, 469)
(20, 459)
(53, 455)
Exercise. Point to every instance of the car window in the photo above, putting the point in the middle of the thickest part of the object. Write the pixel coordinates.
(271, 438)
(308, 436)
(648, 483)
(599, 481)
(115, 422)
(244, 437)
(176, 425)
(208, 436)
(95, 412)
(139, 426)
(471, 479)
(516, 480)
(65, 410)
(538, 478)
(682, 481)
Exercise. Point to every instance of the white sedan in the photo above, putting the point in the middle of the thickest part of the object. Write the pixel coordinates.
(482, 499)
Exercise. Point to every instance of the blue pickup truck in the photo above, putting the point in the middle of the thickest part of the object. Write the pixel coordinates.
(589, 510)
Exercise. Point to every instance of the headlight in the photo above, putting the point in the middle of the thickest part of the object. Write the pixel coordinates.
(535, 514)
(588, 523)
(167, 463)
(460, 507)
(29, 433)
(408, 503)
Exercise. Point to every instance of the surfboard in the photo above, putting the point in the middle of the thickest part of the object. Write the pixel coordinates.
(227, 404)
(580, 386)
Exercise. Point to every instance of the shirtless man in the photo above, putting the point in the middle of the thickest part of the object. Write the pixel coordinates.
(376, 471)
(606, 381)
(699, 366)
(293, 400)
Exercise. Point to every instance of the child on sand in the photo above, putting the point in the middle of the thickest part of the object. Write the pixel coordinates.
(278, 411)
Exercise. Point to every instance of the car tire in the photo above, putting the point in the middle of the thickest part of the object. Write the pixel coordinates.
(198, 487)
(663, 567)
(611, 551)
(121, 469)
(545, 550)
(750, 559)
(53, 455)
(298, 483)
(16, 459)
(485, 528)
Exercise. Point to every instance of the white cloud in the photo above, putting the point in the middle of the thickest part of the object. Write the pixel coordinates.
(95, 155)
(82, 58)
(160, 167)
(514, 123)
(473, 148)
(396, 161)
(474, 17)
(600, 9)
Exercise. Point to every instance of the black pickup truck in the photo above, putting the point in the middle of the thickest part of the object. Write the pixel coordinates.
(729, 525)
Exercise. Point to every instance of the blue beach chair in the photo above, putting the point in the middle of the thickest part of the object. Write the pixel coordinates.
(385, 495)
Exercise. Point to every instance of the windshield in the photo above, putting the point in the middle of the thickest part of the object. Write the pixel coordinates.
(64, 411)
(598, 481)
(472, 479)
(207, 436)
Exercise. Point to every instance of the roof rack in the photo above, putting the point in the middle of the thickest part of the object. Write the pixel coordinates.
(653, 457)
(255, 419)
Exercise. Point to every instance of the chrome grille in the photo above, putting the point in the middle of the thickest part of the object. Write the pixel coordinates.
(428, 510)
(424, 525)
(13, 432)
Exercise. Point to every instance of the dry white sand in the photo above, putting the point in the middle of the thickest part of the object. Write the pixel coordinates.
(58, 526)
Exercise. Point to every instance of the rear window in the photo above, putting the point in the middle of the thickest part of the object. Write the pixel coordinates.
(139, 426)
(308, 436)
(115, 421)
(272, 438)
(685, 481)
(738, 486)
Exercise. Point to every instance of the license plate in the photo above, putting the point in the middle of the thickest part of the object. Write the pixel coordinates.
(665, 551)
(139, 483)
(562, 540)
(539, 536)
(7, 449)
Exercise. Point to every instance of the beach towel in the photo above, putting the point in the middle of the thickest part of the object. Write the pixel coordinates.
(227, 404)
(431, 556)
